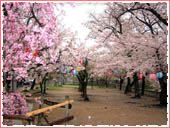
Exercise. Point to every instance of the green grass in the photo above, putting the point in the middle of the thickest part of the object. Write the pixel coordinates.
(148, 85)
(36, 89)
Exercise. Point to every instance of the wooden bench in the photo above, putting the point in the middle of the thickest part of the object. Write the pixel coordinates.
(30, 116)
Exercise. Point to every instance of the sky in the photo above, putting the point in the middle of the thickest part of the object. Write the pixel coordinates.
(76, 16)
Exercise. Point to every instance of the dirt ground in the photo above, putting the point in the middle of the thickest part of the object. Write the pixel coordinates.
(107, 107)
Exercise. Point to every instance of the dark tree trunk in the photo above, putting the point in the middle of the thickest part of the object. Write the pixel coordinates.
(143, 86)
(92, 82)
(80, 87)
(45, 86)
(97, 82)
(85, 93)
(163, 93)
(162, 81)
(121, 82)
(131, 85)
(127, 86)
(13, 88)
(41, 87)
(83, 90)
(106, 82)
(83, 81)
(7, 82)
(136, 83)
(33, 84)
(4, 79)
(86, 82)
(44, 83)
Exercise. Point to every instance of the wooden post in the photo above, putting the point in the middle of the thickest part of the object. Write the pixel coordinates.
(31, 123)
(67, 108)
(40, 115)
(31, 120)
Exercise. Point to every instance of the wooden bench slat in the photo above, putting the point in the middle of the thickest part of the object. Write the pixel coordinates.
(19, 117)
(35, 112)
(48, 102)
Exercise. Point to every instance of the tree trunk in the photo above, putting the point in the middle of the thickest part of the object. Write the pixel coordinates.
(162, 81)
(39, 123)
(106, 82)
(44, 83)
(83, 90)
(97, 82)
(33, 84)
(80, 87)
(44, 86)
(7, 87)
(163, 93)
(131, 85)
(136, 82)
(137, 91)
(92, 81)
(127, 86)
(14, 83)
(143, 86)
(83, 80)
(4, 79)
(85, 93)
(85, 86)
(41, 87)
(121, 82)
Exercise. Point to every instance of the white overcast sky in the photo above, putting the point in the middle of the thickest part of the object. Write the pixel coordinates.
(74, 17)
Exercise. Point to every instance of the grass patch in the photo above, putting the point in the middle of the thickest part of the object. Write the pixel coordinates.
(70, 86)
(149, 85)
(37, 89)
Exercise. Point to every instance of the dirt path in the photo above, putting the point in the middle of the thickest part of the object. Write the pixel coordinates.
(108, 107)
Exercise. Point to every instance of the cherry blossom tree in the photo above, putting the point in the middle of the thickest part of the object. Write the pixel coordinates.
(81, 55)
(33, 41)
(38, 42)
(24, 34)
(135, 37)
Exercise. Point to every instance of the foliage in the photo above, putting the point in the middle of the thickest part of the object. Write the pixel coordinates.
(131, 36)
(13, 104)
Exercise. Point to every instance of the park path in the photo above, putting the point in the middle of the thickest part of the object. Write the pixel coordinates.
(107, 107)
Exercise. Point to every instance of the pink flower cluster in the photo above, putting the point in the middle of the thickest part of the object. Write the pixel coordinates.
(13, 104)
